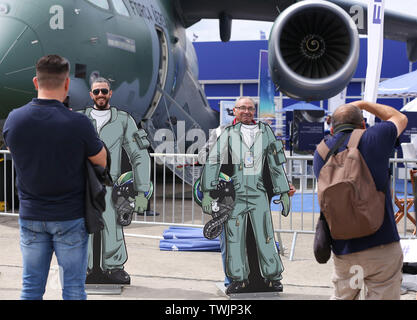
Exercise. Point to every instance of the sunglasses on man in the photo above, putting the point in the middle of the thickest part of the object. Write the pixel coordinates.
(103, 91)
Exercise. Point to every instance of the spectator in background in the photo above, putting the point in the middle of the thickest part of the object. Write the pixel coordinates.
(327, 124)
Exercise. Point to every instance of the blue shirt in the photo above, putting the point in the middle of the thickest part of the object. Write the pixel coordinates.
(49, 145)
(376, 146)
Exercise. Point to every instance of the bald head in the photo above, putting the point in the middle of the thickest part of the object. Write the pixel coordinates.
(347, 114)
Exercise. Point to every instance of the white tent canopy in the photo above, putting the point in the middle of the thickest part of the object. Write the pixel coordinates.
(410, 107)
(402, 86)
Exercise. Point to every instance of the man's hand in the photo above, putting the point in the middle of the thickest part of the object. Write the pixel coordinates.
(292, 190)
(141, 203)
(385, 113)
(206, 203)
(285, 201)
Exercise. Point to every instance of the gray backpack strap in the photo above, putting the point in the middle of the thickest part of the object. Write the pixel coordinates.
(322, 149)
(355, 138)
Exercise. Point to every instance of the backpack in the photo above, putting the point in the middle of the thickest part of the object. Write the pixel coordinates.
(347, 194)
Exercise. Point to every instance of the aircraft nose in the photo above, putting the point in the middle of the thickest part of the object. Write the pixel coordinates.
(20, 48)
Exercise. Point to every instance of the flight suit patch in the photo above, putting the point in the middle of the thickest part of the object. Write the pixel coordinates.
(276, 149)
(141, 139)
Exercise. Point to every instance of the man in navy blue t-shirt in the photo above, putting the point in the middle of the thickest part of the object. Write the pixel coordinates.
(49, 145)
(375, 259)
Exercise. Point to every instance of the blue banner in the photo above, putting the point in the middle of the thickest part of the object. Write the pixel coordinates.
(266, 92)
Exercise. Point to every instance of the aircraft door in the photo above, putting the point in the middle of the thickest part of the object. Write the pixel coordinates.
(162, 72)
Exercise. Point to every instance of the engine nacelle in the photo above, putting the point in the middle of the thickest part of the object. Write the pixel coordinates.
(313, 50)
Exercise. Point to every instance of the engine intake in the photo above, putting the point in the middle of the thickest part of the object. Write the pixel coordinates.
(313, 50)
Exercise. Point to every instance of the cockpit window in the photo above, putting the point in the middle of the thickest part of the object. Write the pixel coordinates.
(100, 3)
(120, 7)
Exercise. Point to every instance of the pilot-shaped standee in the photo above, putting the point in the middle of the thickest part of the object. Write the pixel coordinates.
(117, 129)
(257, 160)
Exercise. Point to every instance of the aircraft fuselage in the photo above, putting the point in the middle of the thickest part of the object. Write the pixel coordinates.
(139, 45)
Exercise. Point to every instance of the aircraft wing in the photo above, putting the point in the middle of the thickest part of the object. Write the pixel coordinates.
(397, 25)
(191, 11)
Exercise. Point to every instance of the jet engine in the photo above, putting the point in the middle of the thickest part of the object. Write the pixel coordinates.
(313, 50)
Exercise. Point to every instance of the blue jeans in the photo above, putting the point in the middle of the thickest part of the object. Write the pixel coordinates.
(38, 240)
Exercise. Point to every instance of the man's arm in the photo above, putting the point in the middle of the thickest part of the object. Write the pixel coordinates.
(385, 113)
(206, 148)
(100, 158)
(210, 174)
(135, 142)
(216, 157)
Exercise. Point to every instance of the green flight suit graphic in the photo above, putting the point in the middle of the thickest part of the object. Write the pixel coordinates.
(251, 197)
(120, 131)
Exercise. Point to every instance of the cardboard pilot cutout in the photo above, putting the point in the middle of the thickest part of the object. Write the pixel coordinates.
(255, 172)
(107, 252)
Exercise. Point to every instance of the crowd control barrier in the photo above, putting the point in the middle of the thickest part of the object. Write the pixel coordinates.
(172, 202)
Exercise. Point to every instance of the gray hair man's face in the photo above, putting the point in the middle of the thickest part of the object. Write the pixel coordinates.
(244, 111)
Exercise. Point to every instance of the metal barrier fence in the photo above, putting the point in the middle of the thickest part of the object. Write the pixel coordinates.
(172, 203)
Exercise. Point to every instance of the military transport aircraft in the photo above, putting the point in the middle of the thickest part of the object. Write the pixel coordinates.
(142, 48)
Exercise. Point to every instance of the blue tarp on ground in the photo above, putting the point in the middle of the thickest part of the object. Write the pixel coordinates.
(188, 239)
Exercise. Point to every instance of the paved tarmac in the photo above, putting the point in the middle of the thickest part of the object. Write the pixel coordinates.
(173, 275)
